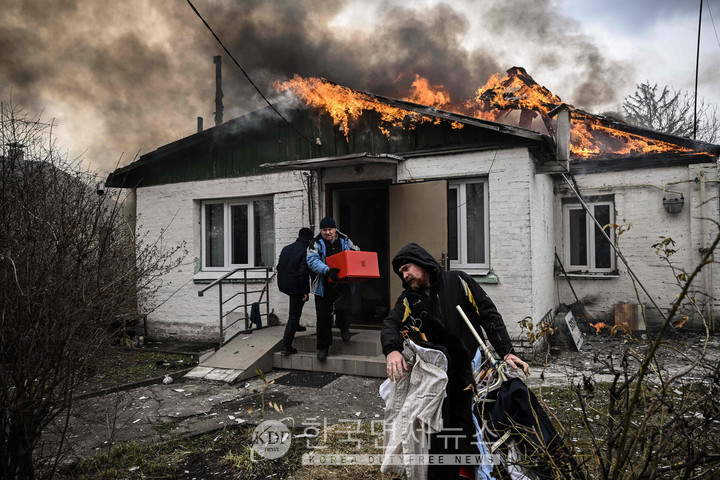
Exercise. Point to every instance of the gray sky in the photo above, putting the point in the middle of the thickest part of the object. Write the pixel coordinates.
(133, 75)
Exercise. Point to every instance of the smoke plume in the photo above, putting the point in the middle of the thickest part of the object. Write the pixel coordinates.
(131, 76)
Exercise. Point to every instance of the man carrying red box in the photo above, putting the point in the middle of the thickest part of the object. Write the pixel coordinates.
(329, 296)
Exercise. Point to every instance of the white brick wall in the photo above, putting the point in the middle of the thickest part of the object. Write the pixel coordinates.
(175, 210)
(513, 190)
(638, 199)
(525, 228)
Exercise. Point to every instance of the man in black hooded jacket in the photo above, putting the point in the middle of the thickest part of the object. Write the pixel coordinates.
(428, 303)
(294, 281)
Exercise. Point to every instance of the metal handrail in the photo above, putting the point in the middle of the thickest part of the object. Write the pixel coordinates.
(244, 293)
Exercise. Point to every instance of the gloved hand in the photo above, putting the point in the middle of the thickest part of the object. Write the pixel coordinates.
(333, 274)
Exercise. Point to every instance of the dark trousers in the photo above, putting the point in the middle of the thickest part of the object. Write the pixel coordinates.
(336, 299)
(296, 306)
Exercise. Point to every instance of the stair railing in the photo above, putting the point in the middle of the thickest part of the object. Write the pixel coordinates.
(246, 305)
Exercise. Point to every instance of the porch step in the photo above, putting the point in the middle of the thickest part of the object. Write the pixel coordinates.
(361, 356)
(362, 365)
(362, 342)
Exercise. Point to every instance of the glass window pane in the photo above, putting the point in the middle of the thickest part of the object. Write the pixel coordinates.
(215, 235)
(452, 215)
(264, 233)
(602, 246)
(475, 206)
(239, 226)
(578, 238)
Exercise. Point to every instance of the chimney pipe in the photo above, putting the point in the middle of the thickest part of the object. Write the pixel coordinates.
(200, 124)
(218, 90)
(562, 135)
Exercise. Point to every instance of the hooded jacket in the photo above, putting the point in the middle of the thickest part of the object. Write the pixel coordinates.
(316, 255)
(292, 268)
(433, 312)
(435, 308)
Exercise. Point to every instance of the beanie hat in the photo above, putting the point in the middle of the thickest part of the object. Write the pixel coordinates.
(327, 222)
(306, 234)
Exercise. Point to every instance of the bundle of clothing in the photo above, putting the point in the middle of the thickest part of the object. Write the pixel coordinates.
(510, 423)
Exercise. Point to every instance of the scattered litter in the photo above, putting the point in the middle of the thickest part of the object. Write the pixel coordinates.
(137, 420)
(239, 420)
(187, 471)
(357, 414)
(217, 438)
(188, 394)
(231, 417)
(142, 398)
(377, 415)
(679, 392)
(179, 390)
(214, 413)
(167, 380)
(245, 338)
(132, 469)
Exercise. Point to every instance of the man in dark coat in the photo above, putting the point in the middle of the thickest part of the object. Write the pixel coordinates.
(294, 281)
(428, 304)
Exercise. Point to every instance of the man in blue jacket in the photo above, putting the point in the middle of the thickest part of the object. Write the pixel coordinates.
(329, 296)
(293, 280)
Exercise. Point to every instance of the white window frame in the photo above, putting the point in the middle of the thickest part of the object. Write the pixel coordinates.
(227, 230)
(590, 237)
(461, 263)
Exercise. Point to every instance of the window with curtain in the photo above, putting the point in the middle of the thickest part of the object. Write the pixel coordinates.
(586, 248)
(238, 233)
(468, 238)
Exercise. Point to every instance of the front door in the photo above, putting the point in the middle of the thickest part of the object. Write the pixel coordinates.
(361, 212)
(418, 214)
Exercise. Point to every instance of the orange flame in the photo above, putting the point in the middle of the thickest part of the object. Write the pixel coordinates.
(425, 94)
(496, 101)
(598, 326)
(346, 106)
(589, 138)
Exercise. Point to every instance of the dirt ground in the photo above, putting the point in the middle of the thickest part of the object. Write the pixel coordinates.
(160, 414)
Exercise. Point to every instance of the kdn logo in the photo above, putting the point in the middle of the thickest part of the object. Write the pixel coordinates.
(271, 439)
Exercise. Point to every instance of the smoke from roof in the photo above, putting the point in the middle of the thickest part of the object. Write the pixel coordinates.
(132, 76)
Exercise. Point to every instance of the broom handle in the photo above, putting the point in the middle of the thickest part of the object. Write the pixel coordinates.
(487, 351)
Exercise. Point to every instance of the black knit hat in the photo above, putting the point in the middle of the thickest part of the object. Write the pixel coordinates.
(306, 234)
(327, 222)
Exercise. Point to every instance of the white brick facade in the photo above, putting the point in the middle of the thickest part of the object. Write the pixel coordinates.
(638, 200)
(525, 231)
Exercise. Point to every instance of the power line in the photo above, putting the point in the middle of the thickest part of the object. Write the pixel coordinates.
(712, 20)
(245, 73)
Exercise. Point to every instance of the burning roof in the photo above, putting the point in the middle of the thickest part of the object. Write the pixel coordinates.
(513, 100)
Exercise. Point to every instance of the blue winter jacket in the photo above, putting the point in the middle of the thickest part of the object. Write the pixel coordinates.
(316, 260)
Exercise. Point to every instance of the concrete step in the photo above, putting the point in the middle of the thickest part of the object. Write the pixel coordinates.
(362, 365)
(362, 342)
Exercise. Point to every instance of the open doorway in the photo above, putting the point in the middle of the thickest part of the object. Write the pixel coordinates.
(361, 212)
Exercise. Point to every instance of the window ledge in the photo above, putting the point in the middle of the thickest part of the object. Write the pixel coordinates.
(591, 275)
(486, 279)
(209, 277)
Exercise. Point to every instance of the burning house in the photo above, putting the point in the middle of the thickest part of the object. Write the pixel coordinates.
(488, 186)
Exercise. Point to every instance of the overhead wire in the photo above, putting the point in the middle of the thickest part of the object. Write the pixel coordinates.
(245, 73)
(712, 20)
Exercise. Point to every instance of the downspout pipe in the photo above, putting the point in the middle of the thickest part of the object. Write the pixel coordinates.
(562, 145)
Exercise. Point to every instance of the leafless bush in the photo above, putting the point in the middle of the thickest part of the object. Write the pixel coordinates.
(658, 415)
(69, 267)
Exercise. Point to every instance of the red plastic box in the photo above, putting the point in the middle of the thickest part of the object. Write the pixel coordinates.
(354, 266)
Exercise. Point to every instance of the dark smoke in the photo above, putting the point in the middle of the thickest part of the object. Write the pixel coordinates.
(131, 76)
